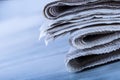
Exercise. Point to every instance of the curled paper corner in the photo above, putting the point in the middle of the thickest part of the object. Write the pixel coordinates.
(48, 40)
(42, 34)
(42, 31)
(43, 28)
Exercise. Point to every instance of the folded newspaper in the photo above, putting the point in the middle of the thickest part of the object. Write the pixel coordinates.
(94, 28)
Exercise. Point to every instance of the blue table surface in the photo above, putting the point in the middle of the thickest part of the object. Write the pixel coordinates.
(24, 57)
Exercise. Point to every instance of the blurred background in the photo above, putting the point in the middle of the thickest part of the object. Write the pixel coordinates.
(24, 57)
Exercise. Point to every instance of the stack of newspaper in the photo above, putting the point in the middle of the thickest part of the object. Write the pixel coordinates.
(94, 28)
